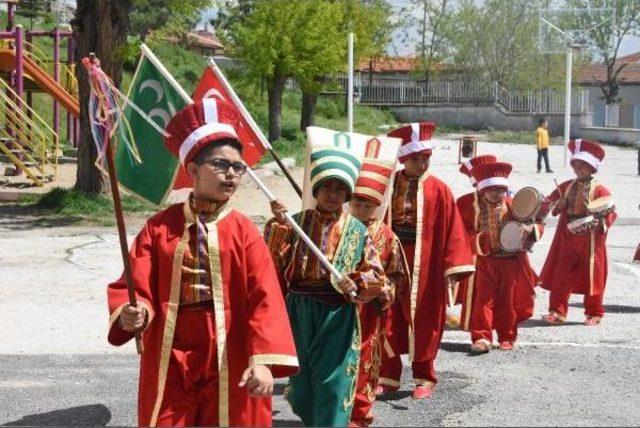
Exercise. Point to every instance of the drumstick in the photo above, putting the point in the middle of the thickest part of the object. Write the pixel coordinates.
(558, 188)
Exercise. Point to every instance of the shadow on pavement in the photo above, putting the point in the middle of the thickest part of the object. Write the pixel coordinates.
(614, 309)
(91, 415)
(286, 423)
(539, 323)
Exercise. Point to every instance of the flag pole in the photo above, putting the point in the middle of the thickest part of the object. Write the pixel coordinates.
(350, 85)
(117, 208)
(254, 126)
(297, 229)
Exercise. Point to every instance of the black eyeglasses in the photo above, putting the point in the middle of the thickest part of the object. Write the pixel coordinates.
(223, 165)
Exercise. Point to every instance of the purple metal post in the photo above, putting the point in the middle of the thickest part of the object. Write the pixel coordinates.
(29, 93)
(56, 74)
(19, 66)
(71, 135)
(10, 15)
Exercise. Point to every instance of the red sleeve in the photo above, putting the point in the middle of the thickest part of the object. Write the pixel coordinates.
(143, 272)
(600, 192)
(458, 258)
(479, 242)
(269, 337)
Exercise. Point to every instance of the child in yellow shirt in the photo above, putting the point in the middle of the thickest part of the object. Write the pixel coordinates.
(542, 143)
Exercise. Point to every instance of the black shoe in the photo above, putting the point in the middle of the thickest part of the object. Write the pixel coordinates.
(538, 171)
(549, 171)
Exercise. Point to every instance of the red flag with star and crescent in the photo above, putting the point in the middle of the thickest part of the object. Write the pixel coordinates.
(213, 84)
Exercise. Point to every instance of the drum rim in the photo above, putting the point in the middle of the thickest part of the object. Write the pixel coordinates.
(502, 227)
(535, 212)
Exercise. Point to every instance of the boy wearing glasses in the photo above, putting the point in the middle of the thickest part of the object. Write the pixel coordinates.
(323, 311)
(213, 321)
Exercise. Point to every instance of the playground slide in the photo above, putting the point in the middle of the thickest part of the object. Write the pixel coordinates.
(42, 79)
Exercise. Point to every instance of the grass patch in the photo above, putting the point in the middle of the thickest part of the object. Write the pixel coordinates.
(517, 137)
(71, 204)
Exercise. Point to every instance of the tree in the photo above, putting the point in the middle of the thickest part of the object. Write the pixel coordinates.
(372, 28)
(168, 16)
(433, 43)
(101, 26)
(33, 9)
(275, 42)
(626, 23)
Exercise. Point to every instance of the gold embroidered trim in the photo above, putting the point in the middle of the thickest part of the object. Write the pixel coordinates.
(459, 269)
(389, 382)
(115, 314)
(416, 260)
(469, 299)
(170, 323)
(273, 359)
(592, 250)
(221, 329)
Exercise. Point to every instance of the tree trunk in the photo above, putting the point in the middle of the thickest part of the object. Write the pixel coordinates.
(307, 116)
(100, 26)
(275, 90)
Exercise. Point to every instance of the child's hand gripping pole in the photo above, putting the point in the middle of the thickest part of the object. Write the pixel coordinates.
(334, 272)
(453, 320)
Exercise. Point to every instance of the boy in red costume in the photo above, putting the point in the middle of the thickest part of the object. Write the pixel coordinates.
(577, 263)
(210, 311)
(425, 217)
(368, 196)
(490, 301)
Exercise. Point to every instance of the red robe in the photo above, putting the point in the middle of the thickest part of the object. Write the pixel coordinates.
(521, 271)
(636, 258)
(577, 263)
(373, 319)
(441, 250)
(250, 316)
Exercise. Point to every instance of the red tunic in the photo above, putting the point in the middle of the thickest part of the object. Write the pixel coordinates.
(372, 319)
(588, 275)
(636, 258)
(441, 250)
(250, 318)
(484, 238)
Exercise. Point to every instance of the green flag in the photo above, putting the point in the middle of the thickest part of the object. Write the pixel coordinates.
(156, 93)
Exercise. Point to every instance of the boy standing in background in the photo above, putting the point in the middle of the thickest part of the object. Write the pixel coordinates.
(542, 143)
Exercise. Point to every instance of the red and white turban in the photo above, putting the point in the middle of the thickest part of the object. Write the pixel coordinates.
(587, 151)
(416, 138)
(495, 174)
(199, 124)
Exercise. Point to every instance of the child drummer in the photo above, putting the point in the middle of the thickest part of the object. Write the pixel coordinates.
(491, 299)
(577, 263)
(368, 199)
(323, 313)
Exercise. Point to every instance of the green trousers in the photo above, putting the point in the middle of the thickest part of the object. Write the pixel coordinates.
(328, 343)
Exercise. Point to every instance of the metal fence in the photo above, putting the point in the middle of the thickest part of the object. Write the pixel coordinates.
(410, 91)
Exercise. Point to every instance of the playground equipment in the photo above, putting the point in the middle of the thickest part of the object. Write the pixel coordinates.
(26, 139)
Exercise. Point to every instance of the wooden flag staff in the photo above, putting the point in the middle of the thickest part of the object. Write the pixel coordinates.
(91, 64)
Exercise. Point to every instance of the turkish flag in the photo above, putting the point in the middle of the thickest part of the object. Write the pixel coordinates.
(213, 84)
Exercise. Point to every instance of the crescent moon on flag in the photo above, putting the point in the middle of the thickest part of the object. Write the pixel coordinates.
(213, 92)
(155, 85)
(162, 115)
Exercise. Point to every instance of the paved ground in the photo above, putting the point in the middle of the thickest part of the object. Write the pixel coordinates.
(57, 369)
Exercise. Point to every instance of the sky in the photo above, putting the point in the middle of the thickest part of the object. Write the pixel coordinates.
(629, 44)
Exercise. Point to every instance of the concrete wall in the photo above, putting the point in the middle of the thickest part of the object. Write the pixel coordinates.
(478, 117)
(611, 135)
(481, 117)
